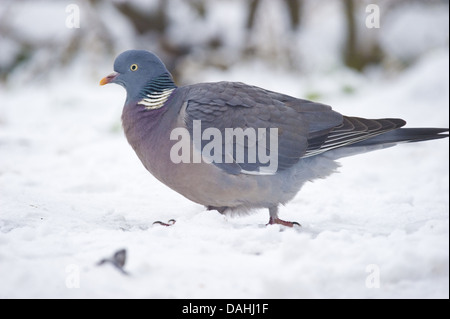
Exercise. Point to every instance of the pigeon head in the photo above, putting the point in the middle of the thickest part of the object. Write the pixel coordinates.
(134, 70)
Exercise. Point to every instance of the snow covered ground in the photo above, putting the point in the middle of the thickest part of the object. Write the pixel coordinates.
(73, 192)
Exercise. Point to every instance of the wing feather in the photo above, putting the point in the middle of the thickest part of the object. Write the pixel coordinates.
(234, 105)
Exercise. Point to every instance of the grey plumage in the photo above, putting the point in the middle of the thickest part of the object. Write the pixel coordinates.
(309, 135)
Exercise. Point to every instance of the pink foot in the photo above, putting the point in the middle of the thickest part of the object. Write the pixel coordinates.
(273, 221)
(169, 223)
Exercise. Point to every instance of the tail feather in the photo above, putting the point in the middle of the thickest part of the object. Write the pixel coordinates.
(404, 135)
(356, 135)
(352, 131)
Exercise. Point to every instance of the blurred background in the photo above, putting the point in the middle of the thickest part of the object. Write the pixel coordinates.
(72, 191)
(303, 36)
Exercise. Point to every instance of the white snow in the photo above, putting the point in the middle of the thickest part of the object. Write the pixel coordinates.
(404, 36)
(72, 192)
(39, 21)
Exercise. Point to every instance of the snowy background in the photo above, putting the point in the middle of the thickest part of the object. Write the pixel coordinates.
(72, 191)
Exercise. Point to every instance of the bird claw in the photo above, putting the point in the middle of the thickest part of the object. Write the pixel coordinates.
(273, 221)
(169, 223)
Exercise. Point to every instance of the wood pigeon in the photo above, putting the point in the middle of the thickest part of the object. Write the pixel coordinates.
(233, 147)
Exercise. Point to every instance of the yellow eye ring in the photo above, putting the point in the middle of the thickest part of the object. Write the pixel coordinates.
(133, 67)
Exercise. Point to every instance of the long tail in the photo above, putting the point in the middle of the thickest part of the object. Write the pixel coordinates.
(405, 135)
(358, 135)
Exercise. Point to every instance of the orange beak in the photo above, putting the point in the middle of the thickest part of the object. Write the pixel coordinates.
(109, 78)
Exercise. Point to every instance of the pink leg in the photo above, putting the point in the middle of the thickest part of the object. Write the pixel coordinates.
(275, 220)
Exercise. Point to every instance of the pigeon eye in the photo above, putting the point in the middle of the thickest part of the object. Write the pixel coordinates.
(133, 67)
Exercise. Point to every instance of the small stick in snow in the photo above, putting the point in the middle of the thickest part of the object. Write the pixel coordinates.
(118, 260)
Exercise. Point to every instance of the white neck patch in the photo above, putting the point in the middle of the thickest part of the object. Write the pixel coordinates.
(156, 100)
